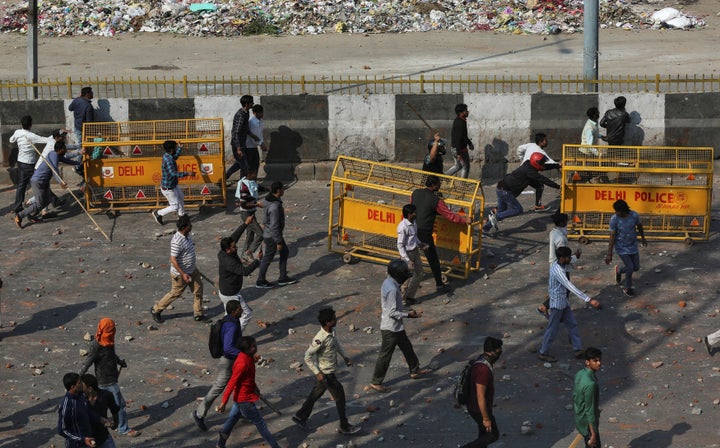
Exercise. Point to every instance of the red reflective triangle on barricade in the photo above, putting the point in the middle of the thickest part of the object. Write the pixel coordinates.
(203, 148)
(108, 195)
(140, 195)
(205, 190)
(108, 151)
(137, 151)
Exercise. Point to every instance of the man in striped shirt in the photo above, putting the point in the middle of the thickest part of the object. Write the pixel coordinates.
(182, 272)
(559, 289)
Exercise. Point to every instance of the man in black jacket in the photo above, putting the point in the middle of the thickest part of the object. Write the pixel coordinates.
(512, 184)
(231, 272)
(460, 142)
(615, 121)
(101, 401)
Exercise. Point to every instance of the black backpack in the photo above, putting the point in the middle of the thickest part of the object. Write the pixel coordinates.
(462, 392)
(215, 342)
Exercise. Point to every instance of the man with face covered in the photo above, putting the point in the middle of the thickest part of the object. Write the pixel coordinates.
(482, 394)
(391, 326)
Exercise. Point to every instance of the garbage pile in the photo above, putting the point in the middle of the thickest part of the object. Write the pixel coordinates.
(293, 17)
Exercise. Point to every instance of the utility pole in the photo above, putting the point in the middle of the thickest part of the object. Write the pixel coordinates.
(590, 48)
(32, 46)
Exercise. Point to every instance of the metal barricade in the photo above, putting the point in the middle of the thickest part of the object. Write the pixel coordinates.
(123, 160)
(670, 187)
(366, 200)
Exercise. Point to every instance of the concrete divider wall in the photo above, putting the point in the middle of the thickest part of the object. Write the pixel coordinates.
(305, 133)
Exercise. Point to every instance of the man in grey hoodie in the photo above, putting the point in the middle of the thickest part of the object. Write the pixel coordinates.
(273, 238)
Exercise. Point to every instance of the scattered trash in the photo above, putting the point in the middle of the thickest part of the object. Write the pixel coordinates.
(230, 18)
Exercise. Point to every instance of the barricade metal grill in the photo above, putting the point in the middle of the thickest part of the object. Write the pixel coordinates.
(366, 200)
(122, 162)
(669, 187)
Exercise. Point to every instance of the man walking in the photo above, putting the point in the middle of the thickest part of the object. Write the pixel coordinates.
(512, 184)
(482, 394)
(586, 399)
(231, 330)
(460, 142)
(254, 140)
(391, 326)
(428, 205)
(27, 156)
(169, 182)
(559, 289)
(321, 359)
(239, 137)
(183, 273)
(231, 272)
(247, 195)
(625, 226)
(273, 237)
(245, 393)
(409, 247)
(83, 112)
(615, 121)
(526, 151)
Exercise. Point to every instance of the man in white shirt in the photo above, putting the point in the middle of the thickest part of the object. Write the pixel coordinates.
(409, 247)
(527, 150)
(254, 139)
(27, 156)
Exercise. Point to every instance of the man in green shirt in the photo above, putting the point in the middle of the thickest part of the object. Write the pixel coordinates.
(586, 395)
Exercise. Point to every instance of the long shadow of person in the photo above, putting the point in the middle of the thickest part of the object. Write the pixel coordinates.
(283, 155)
(53, 317)
(660, 438)
(19, 435)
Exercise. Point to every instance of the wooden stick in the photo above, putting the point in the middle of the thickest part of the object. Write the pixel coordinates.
(578, 438)
(72, 194)
(420, 116)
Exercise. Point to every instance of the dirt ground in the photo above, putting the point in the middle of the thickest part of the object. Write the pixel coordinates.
(645, 52)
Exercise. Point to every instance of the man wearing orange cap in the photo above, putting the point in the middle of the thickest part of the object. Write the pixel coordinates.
(102, 354)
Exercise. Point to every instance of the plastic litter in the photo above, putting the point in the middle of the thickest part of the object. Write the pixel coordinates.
(292, 17)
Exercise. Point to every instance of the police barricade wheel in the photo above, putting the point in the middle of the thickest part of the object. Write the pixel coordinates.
(348, 258)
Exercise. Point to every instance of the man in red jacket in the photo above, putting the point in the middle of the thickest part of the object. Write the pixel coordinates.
(245, 393)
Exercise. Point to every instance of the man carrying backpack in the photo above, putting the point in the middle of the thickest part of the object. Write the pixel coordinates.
(482, 394)
(230, 334)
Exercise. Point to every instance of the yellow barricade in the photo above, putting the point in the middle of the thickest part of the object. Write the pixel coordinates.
(670, 187)
(123, 162)
(366, 200)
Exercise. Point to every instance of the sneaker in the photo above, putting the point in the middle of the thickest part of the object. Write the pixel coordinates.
(618, 275)
(156, 315)
(264, 284)
(492, 219)
(546, 358)
(34, 218)
(540, 208)
(708, 346)
(629, 292)
(351, 429)
(287, 281)
(18, 221)
(201, 318)
(302, 424)
(199, 421)
(158, 219)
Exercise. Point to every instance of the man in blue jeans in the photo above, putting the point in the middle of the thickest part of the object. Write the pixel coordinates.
(624, 228)
(512, 184)
(245, 393)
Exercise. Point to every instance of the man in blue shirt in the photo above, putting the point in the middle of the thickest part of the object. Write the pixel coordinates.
(231, 332)
(625, 226)
(83, 112)
(74, 416)
(169, 182)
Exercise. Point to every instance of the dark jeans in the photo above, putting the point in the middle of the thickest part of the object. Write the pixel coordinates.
(631, 264)
(332, 384)
(250, 412)
(484, 438)
(25, 172)
(268, 254)
(431, 254)
(390, 339)
(539, 187)
(240, 164)
(252, 159)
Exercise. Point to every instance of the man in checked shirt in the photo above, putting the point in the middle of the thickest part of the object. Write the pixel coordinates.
(169, 182)
(321, 358)
(559, 289)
